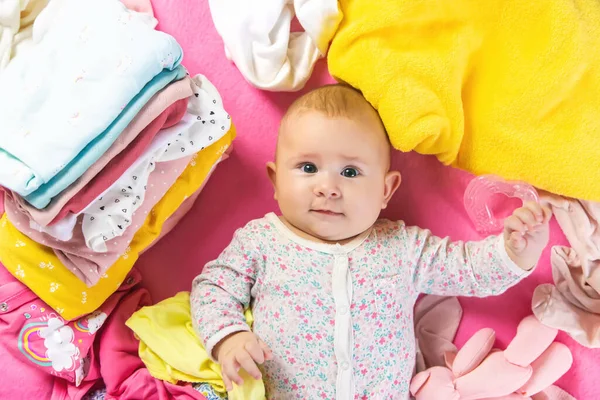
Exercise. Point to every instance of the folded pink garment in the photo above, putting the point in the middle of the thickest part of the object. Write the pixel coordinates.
(125, 159)
(436, 321)
(50, 357)
(85, 263)
(573, 305)
(154, 108)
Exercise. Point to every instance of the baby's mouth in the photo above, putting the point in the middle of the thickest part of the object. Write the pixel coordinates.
(327, 212)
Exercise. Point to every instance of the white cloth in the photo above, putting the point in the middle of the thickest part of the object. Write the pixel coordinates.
(16, 26)
(205, 122)
(61, 231)
(257, 38)
(88, 60)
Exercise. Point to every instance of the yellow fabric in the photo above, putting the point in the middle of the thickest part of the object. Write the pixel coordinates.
(62, 290)
(510, 87)
(172, 351)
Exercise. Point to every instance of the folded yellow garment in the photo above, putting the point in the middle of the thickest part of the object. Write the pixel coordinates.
(60, 288)
(508, 87)
(172, 351)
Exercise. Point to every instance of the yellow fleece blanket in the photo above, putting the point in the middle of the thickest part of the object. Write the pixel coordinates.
(509, 87)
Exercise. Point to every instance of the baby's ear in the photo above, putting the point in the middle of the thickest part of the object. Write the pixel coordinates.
(391, 184)
(272, 173)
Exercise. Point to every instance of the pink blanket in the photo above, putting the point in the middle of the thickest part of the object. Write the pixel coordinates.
(430, 196)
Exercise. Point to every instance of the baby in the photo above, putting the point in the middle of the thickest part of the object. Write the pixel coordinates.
(331, 286)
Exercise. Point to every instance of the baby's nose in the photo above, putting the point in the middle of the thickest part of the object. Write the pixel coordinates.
(328, 190)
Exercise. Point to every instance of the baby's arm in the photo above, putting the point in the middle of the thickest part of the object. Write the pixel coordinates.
(439, 266)
(218, 299)
(222, 292)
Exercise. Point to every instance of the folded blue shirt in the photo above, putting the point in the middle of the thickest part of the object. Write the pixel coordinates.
(87, 62)
(97, 147)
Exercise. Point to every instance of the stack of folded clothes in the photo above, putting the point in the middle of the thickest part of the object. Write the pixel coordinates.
(105, 142)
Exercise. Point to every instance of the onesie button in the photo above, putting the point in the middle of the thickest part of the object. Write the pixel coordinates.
(4, 307)
(343, 310)
(345, 365)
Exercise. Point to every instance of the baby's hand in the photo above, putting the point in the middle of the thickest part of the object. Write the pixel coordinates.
(241, 350)
(526, 234)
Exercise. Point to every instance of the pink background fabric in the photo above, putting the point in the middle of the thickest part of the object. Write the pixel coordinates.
(430, 195)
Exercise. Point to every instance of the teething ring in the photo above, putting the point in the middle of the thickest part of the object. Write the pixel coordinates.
(482, 188)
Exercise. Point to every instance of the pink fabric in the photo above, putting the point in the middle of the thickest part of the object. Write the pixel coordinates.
(530, 364)
(553, 393)
(186, 206)
(86, 264)
(123, 372)
(431, 196)
(23, 316)
(174, 219)
(121, 369)
(436, 322)
(573, 305)
(159, 108)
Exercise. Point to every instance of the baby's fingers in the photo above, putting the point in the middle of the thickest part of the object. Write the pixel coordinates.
(256, 351)
(513, 223)
(517, 242)
(528, 217)
(542, 212)
(536, 209)
(245, 360)
(230, 374)
(547, 214)
(266, 350)
(226, 381)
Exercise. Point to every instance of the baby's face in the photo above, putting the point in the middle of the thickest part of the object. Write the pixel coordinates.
(331, 175)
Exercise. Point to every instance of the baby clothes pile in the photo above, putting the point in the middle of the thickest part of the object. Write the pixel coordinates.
(105, 143)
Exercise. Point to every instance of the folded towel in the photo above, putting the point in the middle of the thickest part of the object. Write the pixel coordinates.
(89, 59)
(507, 87)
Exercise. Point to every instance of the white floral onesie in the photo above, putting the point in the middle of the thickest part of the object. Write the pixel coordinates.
(339, 318)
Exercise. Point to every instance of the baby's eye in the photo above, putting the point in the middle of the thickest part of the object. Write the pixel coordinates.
(308, 168)
(350, 172)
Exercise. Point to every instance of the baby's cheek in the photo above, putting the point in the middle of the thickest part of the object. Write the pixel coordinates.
(366, 207)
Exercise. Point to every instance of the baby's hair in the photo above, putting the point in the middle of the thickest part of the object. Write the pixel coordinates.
(334, 100)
